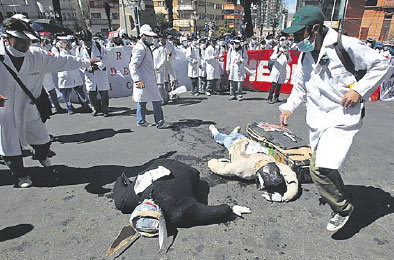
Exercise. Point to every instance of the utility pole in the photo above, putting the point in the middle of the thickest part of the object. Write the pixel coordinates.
(124, 17)
(275, 19)
(108, 14)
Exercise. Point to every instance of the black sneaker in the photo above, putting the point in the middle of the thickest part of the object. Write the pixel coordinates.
(270, 101)
(337, 221)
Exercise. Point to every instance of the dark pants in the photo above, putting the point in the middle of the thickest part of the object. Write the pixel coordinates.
(203, 84)
(212, 85)
(15, 163)
(55, 101)
(330, 186)
(104, 100)
(194, 85)
(276, 86)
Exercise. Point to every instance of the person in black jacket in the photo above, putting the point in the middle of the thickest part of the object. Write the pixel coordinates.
(182, 196)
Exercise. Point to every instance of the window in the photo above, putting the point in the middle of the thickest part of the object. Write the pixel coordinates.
(218, 6)
(371, 3)
(95, 15)
(115, 15)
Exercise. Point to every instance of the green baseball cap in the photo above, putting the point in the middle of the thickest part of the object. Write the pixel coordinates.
(307, 15)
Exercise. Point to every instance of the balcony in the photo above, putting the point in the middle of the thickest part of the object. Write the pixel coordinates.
(388, 4)
(232, 7)
(189, 7)
(232, 17)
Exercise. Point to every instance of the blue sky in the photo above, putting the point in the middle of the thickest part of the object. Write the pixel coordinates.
(291, 4)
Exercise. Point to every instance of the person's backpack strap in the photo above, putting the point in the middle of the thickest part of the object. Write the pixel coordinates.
(98, 46)
(346, 60)
(19, 81)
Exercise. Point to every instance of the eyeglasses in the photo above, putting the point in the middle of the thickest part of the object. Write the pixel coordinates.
(299, 36)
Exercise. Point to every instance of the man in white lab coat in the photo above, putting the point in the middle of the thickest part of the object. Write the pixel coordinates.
(193, 59)
(280, 57)
(334, 101)
(96, 78)
(202, 66)
(71, 80)
(212, 56)
(160, 64)
(143, 74)
(20, 121)
(237, 58)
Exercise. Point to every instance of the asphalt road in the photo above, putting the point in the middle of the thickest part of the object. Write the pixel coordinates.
(74, 217)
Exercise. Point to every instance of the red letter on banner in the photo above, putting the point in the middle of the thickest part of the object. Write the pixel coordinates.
(118, 55)
(113, 71)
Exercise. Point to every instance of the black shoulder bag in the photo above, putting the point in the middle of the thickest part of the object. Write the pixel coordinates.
(42, 103)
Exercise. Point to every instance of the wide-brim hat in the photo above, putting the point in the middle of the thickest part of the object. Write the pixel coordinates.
(19, 29)
(147, 30)
(307, 15)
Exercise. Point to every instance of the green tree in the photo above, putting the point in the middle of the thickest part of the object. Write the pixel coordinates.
(162, 21)
(247, 5)
(169, 6)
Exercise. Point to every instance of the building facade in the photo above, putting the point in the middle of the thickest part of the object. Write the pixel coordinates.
(271, 17)
(134, 13)
(69, 14)
(98, 21)
(190, 16)
(363, 18)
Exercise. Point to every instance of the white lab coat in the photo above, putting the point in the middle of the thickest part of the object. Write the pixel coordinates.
(20, 122)
(97, 80)
(212, 64)
(237, 71)
(142, 69)
(159, 61)
(170, 64)
(69, 79)
(331, 126)
(193, 59)
(202, 68)
(278, 73)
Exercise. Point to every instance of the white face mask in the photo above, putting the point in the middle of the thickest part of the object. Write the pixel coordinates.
(15, 52)
(185, 43)
(237, 45)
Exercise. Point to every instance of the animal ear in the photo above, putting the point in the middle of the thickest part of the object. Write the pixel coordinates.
(126, 180)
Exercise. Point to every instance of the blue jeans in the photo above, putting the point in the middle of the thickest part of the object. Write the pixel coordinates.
(236, 88)
(157, 112)
(227, 140)
(66, 92)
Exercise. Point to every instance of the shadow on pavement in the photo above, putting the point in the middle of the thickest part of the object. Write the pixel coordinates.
(186, 101)
(9, 233)
(255, 98)
(176, 126)
(125, 111)
(95, 177)
(370, 204)
(89, 136)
